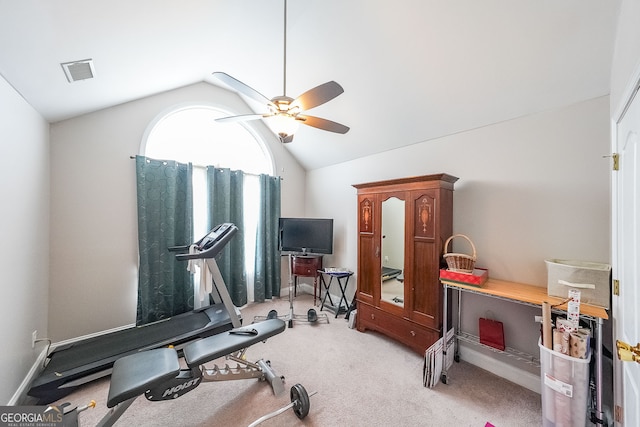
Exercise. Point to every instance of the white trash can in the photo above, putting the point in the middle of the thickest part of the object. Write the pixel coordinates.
(565, 388)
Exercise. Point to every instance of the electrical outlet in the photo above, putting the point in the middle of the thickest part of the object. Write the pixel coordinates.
(34, 338)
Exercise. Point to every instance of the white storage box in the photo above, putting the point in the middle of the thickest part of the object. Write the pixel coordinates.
(592, 279)
(565, 388)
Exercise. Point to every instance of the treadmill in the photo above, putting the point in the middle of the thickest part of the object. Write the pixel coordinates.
(70, 366)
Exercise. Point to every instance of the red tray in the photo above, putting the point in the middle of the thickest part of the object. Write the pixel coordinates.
(477, 278)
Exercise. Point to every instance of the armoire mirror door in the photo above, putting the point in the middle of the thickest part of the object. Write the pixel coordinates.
(392, 255)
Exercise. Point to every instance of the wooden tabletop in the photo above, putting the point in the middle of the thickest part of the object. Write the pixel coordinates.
(526, 293)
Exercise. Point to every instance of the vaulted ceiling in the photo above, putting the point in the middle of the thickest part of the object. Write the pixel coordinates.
(412, 70)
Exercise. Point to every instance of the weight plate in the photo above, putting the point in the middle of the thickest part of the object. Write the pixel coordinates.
(300, 400)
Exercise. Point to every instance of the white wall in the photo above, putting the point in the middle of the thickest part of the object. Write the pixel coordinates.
(93, 210)
(24, 227)
(529, 189)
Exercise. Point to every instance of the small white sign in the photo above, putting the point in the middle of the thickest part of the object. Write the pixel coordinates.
(573, 308)
(557, 385)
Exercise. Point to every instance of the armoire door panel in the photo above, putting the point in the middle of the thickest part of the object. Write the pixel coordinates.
(366, 215)
(426, 302)
(424, 209)
(368, 268)
(369, 246)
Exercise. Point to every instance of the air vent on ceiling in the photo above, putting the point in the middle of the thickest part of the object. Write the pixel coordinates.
(78, 70)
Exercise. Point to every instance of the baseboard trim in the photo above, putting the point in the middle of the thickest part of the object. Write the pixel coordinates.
(507, 371)
(307, 288)
(20, 395)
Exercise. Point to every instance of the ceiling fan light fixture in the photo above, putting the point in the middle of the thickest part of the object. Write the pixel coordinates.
(284, 125)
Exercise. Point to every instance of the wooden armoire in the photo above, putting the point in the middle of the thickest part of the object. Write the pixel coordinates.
(402, 227)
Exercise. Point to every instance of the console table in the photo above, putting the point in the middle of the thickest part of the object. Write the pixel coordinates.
(528, 295)
(306, 266)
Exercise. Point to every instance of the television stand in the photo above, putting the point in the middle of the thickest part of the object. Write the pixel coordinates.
(306, 265)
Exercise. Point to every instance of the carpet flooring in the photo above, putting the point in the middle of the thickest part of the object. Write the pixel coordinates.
(359, 379)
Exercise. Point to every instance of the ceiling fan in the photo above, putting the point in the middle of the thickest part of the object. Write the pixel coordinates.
(284, 109)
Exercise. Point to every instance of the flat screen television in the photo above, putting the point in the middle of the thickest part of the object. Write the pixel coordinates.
(306, 235)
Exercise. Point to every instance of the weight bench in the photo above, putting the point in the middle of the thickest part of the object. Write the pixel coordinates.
(157, 373)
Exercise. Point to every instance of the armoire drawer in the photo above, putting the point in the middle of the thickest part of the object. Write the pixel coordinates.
(416, 336)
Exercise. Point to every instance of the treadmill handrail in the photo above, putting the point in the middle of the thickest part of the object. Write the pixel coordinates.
(212, 249)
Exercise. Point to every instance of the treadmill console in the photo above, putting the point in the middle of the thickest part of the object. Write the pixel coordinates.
(210, 245)
(214, 235)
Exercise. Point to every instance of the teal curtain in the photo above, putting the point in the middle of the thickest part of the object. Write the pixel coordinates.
(164, 191)
(226, 204)
(267, 260)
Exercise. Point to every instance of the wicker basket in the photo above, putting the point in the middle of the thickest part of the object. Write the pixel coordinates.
(460, 262)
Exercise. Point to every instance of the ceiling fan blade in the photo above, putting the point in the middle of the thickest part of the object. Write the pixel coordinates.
(244, 89)
(240, 118)
(323, 124)
(318, 95)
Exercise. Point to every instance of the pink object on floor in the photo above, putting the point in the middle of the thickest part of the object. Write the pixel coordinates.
(489, 425)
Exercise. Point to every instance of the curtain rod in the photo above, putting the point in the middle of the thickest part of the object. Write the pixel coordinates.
(199, 166)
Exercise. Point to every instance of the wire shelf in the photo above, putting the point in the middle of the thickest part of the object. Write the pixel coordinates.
(508, 351)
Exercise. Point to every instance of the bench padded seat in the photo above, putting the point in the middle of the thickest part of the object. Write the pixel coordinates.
(214, 347)
(133, 375)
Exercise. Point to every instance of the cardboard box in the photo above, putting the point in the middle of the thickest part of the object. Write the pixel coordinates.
(476, 278)
(592, 279)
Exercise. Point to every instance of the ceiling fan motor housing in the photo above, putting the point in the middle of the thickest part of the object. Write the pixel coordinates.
(284, 105)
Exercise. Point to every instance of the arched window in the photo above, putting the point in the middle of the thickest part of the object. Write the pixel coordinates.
(189, 133)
